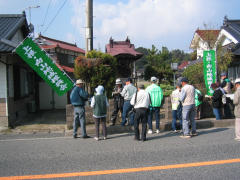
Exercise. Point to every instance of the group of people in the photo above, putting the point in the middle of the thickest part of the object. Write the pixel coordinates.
(220, 100)
(143, 103)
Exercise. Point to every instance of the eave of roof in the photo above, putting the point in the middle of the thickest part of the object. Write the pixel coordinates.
(64, 45)
(9, 25)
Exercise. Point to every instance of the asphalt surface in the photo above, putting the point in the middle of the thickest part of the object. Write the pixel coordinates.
(36, 154)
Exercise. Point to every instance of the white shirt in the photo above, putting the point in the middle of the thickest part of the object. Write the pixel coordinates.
(142, 101)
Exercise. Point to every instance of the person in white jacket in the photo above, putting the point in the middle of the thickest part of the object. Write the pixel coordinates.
(140, 101)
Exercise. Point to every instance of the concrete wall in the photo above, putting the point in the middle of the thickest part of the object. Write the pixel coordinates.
(3, 94)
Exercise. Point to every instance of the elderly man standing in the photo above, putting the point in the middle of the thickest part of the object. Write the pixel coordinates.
(127, 94)
(236, 102)
(140, 101)
(78, 97)
(156, 95)
(187, 98)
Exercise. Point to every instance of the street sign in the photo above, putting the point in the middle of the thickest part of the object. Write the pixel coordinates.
(40, 62)
(209, 70)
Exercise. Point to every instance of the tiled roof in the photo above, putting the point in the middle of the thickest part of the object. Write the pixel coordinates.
(116, 48)
(232, 27)
(208, 34)
(65, 68)
(53, 43)
(183, 65)
(9, 25)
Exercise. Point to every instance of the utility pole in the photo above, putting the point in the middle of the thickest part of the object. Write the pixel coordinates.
(89, 26)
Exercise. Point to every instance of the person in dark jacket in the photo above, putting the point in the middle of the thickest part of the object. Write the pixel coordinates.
(217, 100)
(78, 97)
(227, 86)
(117, 100)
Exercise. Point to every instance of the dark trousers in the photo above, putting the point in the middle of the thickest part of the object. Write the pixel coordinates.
(227, 108)
(140, 117)
(117, 108)
(104, 128)
(154, 111)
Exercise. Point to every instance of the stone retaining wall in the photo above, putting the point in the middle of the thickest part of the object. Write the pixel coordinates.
(165, 112)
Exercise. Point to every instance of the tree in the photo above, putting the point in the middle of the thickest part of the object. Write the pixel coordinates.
(194, 73)
(142, 62)
(224, 56)
(97, 69)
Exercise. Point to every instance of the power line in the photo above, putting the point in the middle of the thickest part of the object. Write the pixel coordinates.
(43, 23)
(55, 16)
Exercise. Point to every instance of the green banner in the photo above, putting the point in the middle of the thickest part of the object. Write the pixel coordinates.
(209, 70)
(39, 61)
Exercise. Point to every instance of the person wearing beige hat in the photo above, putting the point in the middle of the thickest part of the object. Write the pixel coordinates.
(236, 102)
(78, 98)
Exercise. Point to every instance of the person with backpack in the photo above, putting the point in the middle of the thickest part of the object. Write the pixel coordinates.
(217, 100)
(198, 104)
(78, 97)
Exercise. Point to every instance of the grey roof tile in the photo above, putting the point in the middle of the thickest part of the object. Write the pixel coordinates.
(9, 24)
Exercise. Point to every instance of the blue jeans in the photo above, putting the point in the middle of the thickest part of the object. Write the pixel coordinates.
(126, 108)
(155, 111)
(217, 113)
(188, 115)
(79, 120)
(176, 115)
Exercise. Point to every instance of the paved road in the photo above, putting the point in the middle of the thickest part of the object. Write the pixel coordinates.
(46, 154)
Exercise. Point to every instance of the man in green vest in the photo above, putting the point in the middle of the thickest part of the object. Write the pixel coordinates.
(156, 96)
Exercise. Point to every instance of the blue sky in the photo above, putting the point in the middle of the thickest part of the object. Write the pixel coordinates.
(169, 23)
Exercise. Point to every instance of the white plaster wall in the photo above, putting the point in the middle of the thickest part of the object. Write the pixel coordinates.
(3, 80)
(18, 37)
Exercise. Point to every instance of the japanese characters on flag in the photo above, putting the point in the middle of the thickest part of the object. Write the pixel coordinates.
(209, 70)
(39, 61)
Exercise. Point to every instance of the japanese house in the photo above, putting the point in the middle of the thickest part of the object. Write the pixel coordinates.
(63, 54)
(126, 56)
(17, 79)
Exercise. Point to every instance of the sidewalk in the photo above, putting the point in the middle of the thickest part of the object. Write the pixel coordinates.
(55, 122)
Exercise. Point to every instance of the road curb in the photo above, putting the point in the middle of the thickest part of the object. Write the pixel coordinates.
(118, 129)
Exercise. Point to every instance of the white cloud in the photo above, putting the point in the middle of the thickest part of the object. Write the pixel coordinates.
(144, 21)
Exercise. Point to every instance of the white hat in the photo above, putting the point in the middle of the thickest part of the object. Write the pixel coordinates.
(153, 79)
(99, 89)
(237, 80)
(79, 81)
(118, 81)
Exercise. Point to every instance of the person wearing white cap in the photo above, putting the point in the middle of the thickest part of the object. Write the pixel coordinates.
(99, 104)
(236, 102)
(156, 95)
(78, 97)
(117, 100)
